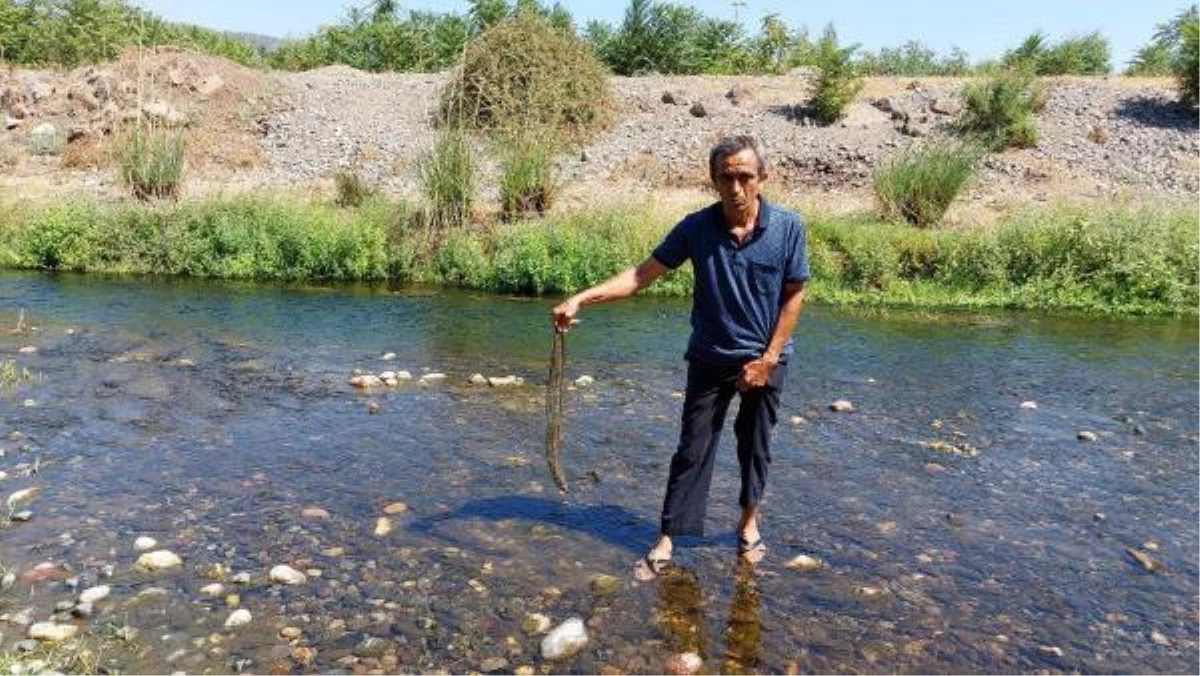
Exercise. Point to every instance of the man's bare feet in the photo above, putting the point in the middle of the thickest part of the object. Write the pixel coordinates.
(655, 561)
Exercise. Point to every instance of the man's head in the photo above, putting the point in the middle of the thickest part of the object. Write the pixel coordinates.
(738, 168)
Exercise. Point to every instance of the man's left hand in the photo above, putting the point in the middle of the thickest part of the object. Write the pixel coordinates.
(756, 373)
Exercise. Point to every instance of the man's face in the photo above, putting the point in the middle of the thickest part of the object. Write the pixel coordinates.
(738, 180)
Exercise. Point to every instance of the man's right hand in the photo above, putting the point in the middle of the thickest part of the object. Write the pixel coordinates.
(563, 315)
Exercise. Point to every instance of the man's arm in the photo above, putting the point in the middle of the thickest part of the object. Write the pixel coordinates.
(621, 285)
(755, 373)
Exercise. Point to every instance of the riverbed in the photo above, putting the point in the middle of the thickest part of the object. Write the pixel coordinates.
(1011, 491)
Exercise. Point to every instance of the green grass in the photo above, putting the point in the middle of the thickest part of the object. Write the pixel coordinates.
(150, 160)
(918, 185)
(1121, 260)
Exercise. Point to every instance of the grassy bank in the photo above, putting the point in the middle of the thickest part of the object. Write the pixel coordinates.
(1121, 261)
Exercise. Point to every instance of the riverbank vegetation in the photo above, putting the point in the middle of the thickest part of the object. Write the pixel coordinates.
(1123, 261)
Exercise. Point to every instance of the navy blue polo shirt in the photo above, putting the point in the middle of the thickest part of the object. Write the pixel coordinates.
(739, 288)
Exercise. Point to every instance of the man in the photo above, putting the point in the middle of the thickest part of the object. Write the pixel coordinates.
(750, 266)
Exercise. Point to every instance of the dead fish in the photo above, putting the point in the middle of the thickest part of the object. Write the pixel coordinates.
(554, 409)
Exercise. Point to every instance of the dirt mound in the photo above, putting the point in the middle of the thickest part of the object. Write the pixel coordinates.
(1100, 139)
(74, 116)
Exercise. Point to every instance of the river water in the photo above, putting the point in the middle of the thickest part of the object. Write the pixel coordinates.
(957, 529)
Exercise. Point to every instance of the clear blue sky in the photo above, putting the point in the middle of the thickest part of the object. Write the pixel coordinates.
(984, 28)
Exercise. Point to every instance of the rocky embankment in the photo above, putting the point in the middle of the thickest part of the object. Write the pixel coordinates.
(1099, 138)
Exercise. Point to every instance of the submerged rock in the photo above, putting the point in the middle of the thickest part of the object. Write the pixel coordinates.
(683, 663)
(804, 563)
(94, 594)
(841, 406)
(52, 632)
(238, 618)
(159, 560)
(285, 574)
(565, 640)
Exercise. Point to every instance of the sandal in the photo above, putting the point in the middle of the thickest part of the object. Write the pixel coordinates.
(751, 551)
(647, 569)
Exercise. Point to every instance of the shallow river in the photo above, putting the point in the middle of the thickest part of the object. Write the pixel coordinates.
(959, 527)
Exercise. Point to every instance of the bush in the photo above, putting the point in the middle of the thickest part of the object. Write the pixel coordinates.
(1080, 55)
(527, 184)
(999, 112)
(448, 180)
(151, 162)
(919, 184)
(1187, 61)
(524, 73)
(352, 190)
(838, 81)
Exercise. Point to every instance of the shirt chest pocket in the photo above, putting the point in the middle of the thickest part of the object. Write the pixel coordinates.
(766, 278)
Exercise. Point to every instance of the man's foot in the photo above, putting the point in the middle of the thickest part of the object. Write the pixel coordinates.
(654, 562)
(751, 551)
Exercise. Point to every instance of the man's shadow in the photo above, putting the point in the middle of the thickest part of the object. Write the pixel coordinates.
(608, 523)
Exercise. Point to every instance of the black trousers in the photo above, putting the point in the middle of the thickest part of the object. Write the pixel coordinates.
(710, 390)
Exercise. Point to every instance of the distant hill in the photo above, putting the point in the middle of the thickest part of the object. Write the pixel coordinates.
(263, 43)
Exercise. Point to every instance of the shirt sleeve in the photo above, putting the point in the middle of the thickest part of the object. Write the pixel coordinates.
(673, 250)
(797, 263)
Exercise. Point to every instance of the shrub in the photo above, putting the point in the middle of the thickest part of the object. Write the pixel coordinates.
(919, 184)
(524, 73)
(838, 81)
(352, 190)
(150, 160)
(448, 178)
(1187, 61)
(1078, 55)
(527, 184)
(999, 112)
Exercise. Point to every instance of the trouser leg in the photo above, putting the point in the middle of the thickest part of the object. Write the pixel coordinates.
(705, 405)
(757, 414)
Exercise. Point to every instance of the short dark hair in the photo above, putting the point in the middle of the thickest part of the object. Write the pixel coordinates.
(732, 145)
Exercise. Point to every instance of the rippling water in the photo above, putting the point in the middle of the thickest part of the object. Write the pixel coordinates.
(958, 531)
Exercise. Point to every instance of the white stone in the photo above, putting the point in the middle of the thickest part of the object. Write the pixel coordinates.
(841, 406)
(585, 381)
(505, 381)
(94, 594)
(238, 618)
(684, 663)
(477, 379)
(383, 526)
(285, 574)
(565, 640)
(158, 560)
(51, 631)
(214, 589)
(433, 377)
(1029, 405)
(804, 563)
(145, 543)
(366, 381)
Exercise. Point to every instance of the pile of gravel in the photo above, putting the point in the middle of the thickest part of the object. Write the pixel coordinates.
(1109, 135)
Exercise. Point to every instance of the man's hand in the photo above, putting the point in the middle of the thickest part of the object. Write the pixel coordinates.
(563, 315)
(757, 373)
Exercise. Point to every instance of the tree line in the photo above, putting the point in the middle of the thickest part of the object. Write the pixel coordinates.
(654, 36)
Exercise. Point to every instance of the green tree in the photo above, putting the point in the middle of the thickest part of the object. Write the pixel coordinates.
(1187, 61)
(838, 79)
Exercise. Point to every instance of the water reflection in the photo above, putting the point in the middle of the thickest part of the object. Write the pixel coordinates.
(681, 618)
